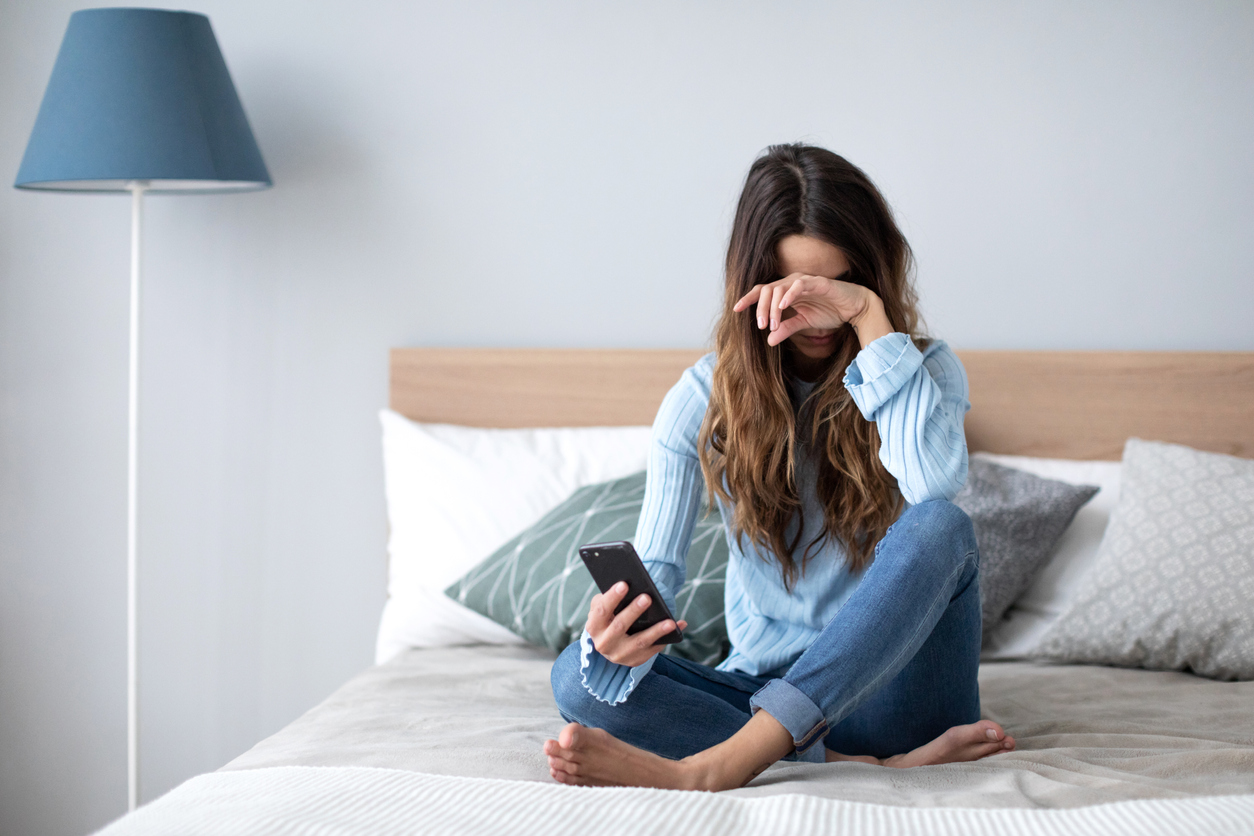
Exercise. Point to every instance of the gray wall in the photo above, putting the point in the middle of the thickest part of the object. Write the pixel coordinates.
(1071, 175)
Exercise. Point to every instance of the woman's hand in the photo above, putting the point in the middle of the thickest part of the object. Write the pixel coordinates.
(609, 631)
(799, 301)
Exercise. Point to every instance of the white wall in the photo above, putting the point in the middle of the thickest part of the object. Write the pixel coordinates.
(1071, 175)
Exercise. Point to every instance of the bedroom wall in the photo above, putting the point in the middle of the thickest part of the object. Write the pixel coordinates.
(1071, 175)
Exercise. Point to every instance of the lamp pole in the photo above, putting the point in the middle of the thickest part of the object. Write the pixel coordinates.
(136, 188)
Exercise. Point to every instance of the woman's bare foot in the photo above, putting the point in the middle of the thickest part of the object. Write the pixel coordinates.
(594, 757)
(960, 743)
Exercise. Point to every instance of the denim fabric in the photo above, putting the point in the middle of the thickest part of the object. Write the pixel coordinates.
(894, 668)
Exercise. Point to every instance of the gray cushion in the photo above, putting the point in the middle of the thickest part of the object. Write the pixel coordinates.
(537, 585)
(1018, 518)
(1172, 585)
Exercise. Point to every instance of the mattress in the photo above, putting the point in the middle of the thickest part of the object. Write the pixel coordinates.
(448, 742)
(1086, 735)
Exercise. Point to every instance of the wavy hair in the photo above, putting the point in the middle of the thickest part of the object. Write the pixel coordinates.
(751, 432)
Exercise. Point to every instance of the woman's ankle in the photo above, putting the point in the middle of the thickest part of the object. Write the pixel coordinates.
(713, 771)
(740, 758)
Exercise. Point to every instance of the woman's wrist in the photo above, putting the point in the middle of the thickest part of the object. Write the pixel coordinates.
(872, 323)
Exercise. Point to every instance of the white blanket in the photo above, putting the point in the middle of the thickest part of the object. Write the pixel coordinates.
(319, 801)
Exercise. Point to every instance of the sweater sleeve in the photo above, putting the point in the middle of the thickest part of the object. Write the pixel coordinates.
(672, 496)
(918, 401)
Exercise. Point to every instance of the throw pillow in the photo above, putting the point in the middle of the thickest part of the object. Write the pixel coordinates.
(1032, 613)
(456, 493)
(1018, 518)
(1174, 577)
(537, 586)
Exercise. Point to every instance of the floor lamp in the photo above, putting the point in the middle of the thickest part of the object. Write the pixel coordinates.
(139, 101)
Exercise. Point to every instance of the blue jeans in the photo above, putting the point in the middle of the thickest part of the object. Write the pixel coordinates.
(894, 668)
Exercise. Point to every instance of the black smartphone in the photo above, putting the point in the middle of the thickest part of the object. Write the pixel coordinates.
(610, 563)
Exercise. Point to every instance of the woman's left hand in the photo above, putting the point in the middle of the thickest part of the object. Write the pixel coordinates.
(799, 301)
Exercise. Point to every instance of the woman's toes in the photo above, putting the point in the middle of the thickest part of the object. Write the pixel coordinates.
(556, 754)
(960, 737)
(997, 747)
(564, 771)
(569, 738)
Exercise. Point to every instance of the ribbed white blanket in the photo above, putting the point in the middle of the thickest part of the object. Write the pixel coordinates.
(341, 801)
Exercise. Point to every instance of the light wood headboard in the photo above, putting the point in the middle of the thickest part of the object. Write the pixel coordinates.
(1075, 404)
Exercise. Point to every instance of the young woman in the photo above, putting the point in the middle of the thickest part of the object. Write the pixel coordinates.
(820, 416)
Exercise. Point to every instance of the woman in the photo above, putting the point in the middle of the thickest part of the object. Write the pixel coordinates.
(822, 413)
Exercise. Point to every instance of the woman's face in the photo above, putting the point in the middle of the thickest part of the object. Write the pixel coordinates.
(801, 254)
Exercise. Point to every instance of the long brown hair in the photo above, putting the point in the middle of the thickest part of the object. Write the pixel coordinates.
(750, 433)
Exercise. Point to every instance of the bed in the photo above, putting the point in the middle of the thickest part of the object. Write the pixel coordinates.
(447, 739)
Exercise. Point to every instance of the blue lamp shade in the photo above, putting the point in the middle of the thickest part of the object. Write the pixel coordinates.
(141, 94)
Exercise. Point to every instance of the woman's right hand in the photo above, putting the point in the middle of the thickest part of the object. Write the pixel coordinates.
(609, 631)
(799, 301)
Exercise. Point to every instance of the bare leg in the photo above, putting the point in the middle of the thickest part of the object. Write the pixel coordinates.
(960, 743)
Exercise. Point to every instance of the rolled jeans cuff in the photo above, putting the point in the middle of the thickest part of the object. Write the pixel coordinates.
(795, 712)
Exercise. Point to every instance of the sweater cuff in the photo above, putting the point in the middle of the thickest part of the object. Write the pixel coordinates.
(608, 681)
(880, 370)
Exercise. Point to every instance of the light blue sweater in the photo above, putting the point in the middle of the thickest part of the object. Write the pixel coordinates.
(917, 400)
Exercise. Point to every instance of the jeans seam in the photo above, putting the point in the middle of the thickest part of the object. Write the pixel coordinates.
(875, 683)
(811, 737)
(976, 554)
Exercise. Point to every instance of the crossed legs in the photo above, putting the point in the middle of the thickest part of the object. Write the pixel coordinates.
(891, 680)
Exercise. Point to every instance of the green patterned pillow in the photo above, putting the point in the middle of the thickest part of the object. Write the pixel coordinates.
(537, 586)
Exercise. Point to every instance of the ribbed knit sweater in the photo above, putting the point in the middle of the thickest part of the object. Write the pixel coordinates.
(917, 400)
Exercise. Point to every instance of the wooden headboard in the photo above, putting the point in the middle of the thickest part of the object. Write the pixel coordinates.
(1071, 404)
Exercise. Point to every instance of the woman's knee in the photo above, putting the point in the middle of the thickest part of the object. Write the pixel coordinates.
(942, 516)
(938, 525)
(567, 681)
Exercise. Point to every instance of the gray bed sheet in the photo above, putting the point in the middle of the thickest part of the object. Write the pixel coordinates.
(1086, 734)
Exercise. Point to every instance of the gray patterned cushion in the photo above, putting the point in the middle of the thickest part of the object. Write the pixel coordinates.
(537, 586)
(1172, 586)
(1018, 518)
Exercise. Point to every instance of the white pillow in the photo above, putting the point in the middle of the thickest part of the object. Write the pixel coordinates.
(456, 494)
(1057, 583)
